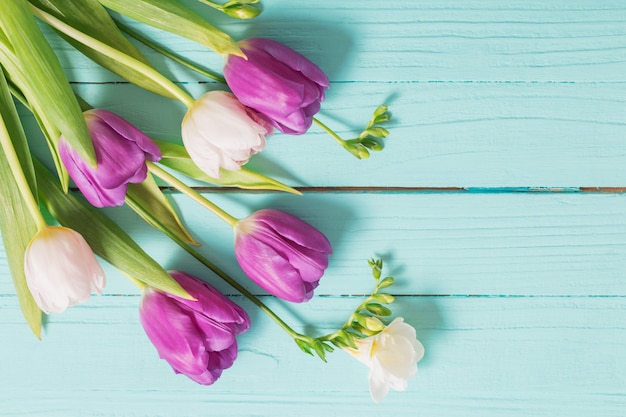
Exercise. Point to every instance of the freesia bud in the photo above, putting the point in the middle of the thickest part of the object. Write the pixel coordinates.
(281, 253)
(197, 338)
(278, 82)
(391, 356)
(121, 153)
(220, 132)
(241, 11)
(61, 269)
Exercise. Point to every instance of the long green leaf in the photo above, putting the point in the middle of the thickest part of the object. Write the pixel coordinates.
(17, 77)
(16, 223)
(49, 87)
(106, 238)
(91, 18)
(176, 157)
(148, 196)
(174, 17)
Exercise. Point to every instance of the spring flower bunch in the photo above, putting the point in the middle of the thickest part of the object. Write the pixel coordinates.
(266, 87)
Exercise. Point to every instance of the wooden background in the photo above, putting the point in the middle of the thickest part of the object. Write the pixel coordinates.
(497, 204)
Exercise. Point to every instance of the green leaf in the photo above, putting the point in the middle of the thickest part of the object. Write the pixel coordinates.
(16, 223)
(176, 157)
(92, 19)
(176, 18)
(147, 197)
(105, 237)
(48, 88)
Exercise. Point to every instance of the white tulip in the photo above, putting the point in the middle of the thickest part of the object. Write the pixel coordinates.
(391, 356)
(61, 269)
(220, 132)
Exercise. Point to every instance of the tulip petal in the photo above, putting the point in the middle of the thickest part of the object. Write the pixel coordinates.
(61, 269)
(269, 269)
(173, 333)
(130, 132)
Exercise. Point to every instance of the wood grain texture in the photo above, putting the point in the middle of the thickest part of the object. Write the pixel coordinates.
(485, 356)
(518, 297)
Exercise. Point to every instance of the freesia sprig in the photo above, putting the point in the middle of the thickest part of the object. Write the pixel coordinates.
(368, 319)
(370, 139)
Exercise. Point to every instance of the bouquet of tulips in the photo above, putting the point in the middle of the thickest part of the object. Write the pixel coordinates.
(266, 87)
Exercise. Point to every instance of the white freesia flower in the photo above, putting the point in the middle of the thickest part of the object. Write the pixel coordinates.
(391, 356)
(61, 269)
(220, 132)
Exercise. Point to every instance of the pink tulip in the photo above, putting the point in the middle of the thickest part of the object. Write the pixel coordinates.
(197, 338)
(282, 85)
(121, 153)
(281, 253)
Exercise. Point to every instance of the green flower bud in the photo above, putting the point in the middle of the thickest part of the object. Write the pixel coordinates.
(383, 298)
(376, 132)
(386, 282)
(385, 117)
(241, 11)
(378, 309)
(374, 324)
(379, 111)
(372, 144)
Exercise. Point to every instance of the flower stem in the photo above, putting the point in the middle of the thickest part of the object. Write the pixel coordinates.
(330, 132)
(115, 54)
(191, 193)
(230, 281)
(171, 55)
(20, 178)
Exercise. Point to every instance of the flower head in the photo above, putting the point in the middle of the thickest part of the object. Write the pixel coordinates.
(121, 153)
(278, 82)
(197, 338)
(61, 269)
(391, 356)
(281, 253)
(220, 132)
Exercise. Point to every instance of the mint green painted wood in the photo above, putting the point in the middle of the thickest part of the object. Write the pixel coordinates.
(517, 297)
(485, 356)
(443, 134)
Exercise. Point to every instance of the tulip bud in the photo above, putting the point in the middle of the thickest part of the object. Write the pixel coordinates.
(282, 85)
(220, 132)
(281, 253)
(121, 153)
(61, 269)
(197, 338)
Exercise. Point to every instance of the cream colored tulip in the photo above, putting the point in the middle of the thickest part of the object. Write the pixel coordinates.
(61, 269)
(220, 132)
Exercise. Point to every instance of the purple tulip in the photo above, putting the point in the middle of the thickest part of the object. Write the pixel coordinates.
(197, 338)
(282, 85)
(121, 153)
(281, 253)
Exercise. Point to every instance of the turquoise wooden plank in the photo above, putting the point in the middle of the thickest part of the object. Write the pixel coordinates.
(442, 134)
(485, 357)
(412, 40)
(435, 243)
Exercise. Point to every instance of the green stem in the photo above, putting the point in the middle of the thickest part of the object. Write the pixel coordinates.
(225, 277)
(191, 193)
(20, 178)
(330, 132)
(171, 55)
(113, 53)
(213, 5)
